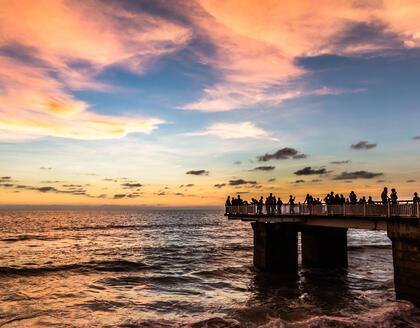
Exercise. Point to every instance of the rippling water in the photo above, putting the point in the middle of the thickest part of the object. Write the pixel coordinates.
(170, 268)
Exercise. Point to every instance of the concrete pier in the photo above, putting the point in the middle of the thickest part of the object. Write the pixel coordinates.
(324, 237)
(324, 247)
(275, 247)
(405, 236)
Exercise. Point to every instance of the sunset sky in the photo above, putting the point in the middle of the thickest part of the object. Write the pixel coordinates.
(179, 103)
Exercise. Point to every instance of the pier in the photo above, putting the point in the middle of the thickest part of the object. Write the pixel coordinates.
(323, 230)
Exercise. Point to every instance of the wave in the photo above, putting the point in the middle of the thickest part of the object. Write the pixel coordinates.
(362, 247)
(28, 237)
(401, 314)
(101, 266)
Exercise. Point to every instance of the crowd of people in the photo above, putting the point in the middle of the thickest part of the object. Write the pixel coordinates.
(273, 205)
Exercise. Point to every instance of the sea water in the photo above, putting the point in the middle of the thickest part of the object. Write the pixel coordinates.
(180, 268)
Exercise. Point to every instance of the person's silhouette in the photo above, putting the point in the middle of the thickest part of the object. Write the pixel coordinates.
(384, 196)
(394, 196)
(292, 204)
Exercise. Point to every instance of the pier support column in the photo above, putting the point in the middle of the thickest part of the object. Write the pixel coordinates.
(275, 247)
(324, 247)
(405, 236)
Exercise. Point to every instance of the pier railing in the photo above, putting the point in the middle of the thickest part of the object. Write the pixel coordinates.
(402, 209)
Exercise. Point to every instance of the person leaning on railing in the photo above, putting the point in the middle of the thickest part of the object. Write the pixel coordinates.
(394, 196)
(416, 198)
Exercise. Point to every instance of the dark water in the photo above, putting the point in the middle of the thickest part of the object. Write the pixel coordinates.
(179, 268)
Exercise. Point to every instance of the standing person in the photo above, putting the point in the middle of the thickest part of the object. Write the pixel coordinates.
(292, 204)
(370, 200)
(416, 198)
(279, 205)
(228, 204)
(353, 198)
(260, 206)
(267, 205)
(394, 196)
(384, 196)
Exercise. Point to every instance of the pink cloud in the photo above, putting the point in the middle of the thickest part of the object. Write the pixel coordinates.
(70, 43)
(257, 43)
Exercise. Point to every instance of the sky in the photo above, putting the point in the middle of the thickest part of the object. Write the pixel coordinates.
(181, 103)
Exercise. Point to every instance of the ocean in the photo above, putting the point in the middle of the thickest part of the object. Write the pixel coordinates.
(179, 268)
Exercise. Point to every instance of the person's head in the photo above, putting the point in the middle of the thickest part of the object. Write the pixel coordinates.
(332, 192)
(363, 197)
(239, 196)
(228, 197)
(415, 194)
(385, 189)
(271, 194)
(393, 189)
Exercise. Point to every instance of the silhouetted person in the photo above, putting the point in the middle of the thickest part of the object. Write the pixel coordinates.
(260, 205)
(353, 198)
(384, 196)
(279, 205)
(342, 199)
(362, 200)
(273, 205)
(370, 200)
(240, 202)
(308, 199)
(228, 203)
(337, 200)
(393, 196)
(292, 204)
(416, 198)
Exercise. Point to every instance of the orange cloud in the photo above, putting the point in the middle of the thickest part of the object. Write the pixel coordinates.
(65, 45)
(258, 42)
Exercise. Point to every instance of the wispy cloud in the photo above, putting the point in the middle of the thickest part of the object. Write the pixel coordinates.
(264, 168)
(234, 131)
(197, 172)
(238, 182)
(357, 175)
(340, 162)
(284, 153)
(310, 171)
(363, 145)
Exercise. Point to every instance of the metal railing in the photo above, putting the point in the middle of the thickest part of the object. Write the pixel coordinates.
(402, 209)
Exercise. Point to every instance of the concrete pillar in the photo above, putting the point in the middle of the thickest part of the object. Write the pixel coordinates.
(324, 247)
(405, 236)
(275, 247)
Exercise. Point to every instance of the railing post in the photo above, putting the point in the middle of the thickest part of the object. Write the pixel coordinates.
(418, 210)
(388, 212)
(344, 209)
(364, 209)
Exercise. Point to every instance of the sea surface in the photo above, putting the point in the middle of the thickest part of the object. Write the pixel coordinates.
(179, 268)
